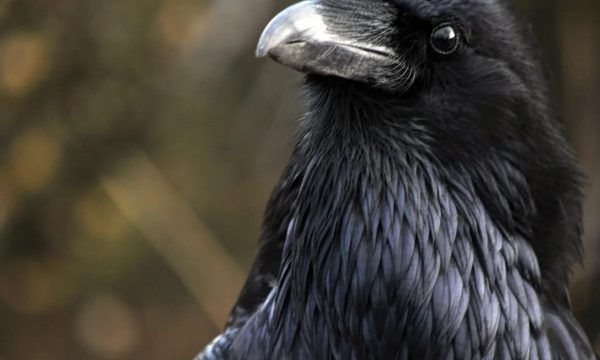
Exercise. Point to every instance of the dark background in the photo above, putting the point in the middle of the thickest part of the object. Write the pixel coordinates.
(139, 141)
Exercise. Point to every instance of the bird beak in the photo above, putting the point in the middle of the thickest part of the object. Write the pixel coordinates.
(299, 37)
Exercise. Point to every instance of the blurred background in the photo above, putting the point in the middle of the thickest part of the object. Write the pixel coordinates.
(139, 141)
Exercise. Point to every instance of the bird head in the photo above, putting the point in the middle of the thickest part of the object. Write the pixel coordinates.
(397, 45)
(464, 71)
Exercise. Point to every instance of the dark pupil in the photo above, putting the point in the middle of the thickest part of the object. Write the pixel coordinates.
(444, 39)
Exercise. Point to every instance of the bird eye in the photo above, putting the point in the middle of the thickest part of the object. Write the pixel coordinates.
(444, 39)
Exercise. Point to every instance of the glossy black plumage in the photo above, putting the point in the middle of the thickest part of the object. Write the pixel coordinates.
(431, 211)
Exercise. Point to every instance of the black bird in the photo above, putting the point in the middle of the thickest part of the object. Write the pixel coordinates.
(431, 207)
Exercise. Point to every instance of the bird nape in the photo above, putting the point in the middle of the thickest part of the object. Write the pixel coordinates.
(431, 207)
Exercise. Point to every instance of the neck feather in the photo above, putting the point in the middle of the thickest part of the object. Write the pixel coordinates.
(386, 240)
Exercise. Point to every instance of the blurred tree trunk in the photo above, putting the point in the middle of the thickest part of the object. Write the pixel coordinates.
(577, 33)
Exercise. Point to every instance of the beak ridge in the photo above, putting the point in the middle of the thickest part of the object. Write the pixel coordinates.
(299, 38)
(297, 22)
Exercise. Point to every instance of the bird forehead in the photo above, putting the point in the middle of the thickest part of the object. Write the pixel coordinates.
(425, 9)
(435, 8)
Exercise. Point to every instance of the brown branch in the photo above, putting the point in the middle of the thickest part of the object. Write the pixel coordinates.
(147, 199)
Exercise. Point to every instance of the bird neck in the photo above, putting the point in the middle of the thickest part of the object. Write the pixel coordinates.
(386, 240)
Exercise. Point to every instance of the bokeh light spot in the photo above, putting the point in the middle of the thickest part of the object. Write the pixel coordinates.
(33, 287)
(23, 63)
(35, 157)
(179, 22)
(108, 327)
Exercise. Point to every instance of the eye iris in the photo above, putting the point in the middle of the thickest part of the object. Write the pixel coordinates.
(444, 39)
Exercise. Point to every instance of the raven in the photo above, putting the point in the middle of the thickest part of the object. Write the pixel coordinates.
(431, 207)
